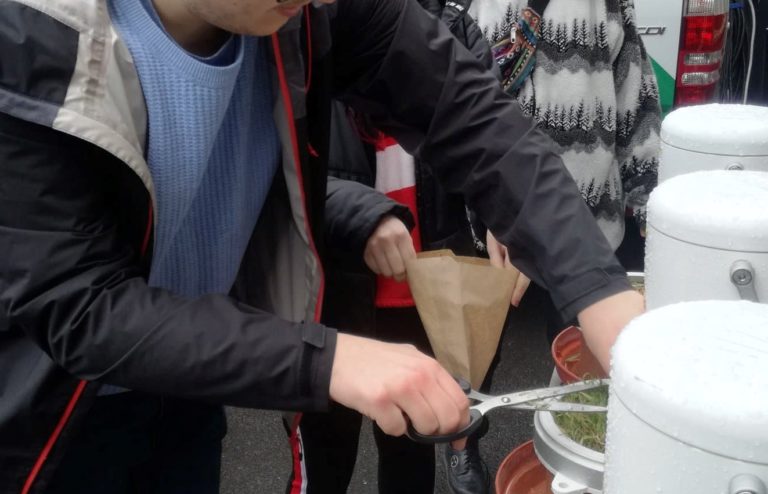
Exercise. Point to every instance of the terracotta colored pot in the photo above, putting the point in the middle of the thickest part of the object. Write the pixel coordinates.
(522, 473)
(573, 359)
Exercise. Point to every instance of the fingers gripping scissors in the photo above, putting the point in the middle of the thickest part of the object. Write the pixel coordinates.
(543, 399)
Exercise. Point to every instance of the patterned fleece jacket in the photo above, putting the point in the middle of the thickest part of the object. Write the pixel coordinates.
(594, 92)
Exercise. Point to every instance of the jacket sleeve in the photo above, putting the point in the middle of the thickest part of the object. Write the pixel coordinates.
(455, 15)
(403, 67)
(478, 45)
(638, 117)
(71, 282)
(354, 210)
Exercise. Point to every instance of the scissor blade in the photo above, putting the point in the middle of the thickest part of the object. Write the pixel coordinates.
(511, 400)
(559, 406)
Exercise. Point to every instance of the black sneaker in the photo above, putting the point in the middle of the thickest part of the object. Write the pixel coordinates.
(467, 472)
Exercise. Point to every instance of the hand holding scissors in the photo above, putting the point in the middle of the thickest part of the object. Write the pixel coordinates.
(542, 399)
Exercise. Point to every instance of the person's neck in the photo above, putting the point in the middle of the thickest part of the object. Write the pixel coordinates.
(190, 31)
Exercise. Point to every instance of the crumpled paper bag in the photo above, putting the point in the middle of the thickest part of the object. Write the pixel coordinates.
(463, 303)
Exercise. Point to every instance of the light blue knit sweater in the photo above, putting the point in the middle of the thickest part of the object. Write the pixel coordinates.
(212, 149)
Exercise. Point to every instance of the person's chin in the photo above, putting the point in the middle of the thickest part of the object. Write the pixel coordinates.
(269, 25)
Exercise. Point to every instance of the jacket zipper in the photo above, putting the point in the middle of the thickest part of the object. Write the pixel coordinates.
(297, 164)
(54, 437)
(297, 484)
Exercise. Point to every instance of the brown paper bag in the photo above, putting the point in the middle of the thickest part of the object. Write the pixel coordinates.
(463, 302)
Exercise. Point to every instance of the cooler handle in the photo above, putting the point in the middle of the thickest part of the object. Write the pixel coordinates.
(743, 277)
(746, 484)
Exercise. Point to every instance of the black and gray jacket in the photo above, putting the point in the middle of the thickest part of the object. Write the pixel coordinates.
(443, 221)
(76, 214)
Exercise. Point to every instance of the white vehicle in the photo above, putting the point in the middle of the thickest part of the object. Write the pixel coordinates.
(685, 40)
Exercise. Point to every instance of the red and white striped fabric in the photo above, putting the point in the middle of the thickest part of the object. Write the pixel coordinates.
(396, 177)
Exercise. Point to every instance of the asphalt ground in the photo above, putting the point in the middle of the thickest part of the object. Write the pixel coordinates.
(256, 455)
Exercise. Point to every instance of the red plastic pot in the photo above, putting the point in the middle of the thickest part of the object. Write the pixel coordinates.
(573, 359)
(521, 472)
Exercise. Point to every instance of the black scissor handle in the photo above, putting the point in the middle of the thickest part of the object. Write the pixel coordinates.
(475, 421)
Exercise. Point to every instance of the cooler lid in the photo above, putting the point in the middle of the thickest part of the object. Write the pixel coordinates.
(729, 130)
(718, 208)
(698, 372)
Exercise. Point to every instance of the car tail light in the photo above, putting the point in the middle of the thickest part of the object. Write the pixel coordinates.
(701, 50)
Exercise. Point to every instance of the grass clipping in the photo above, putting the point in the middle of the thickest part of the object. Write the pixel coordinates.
(587, 429)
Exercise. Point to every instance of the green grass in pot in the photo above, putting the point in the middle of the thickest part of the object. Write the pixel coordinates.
(587, 429)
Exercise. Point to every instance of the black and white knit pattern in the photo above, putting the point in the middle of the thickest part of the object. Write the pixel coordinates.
(594, 92)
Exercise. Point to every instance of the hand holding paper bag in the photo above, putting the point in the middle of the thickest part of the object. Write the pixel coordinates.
(462, 302)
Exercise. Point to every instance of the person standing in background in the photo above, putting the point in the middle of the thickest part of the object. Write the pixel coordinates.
(369, 296)
(592, 89)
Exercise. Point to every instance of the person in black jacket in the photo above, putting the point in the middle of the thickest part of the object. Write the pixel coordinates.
(357, 301)
(83, 223)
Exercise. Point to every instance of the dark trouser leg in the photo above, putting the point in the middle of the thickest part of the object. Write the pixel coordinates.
(328, 451)
(187, 452)
(404, 466)
(402, 325)
(137, 443)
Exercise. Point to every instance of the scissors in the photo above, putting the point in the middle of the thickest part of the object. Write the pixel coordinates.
(542, 399)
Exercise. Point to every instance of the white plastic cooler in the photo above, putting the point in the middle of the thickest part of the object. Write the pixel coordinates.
(707, 238)
(714, 137)
(688, 406)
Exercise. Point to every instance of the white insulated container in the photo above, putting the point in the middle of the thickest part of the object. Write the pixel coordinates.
(707, 238)
(714, 137)
(688, 404)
